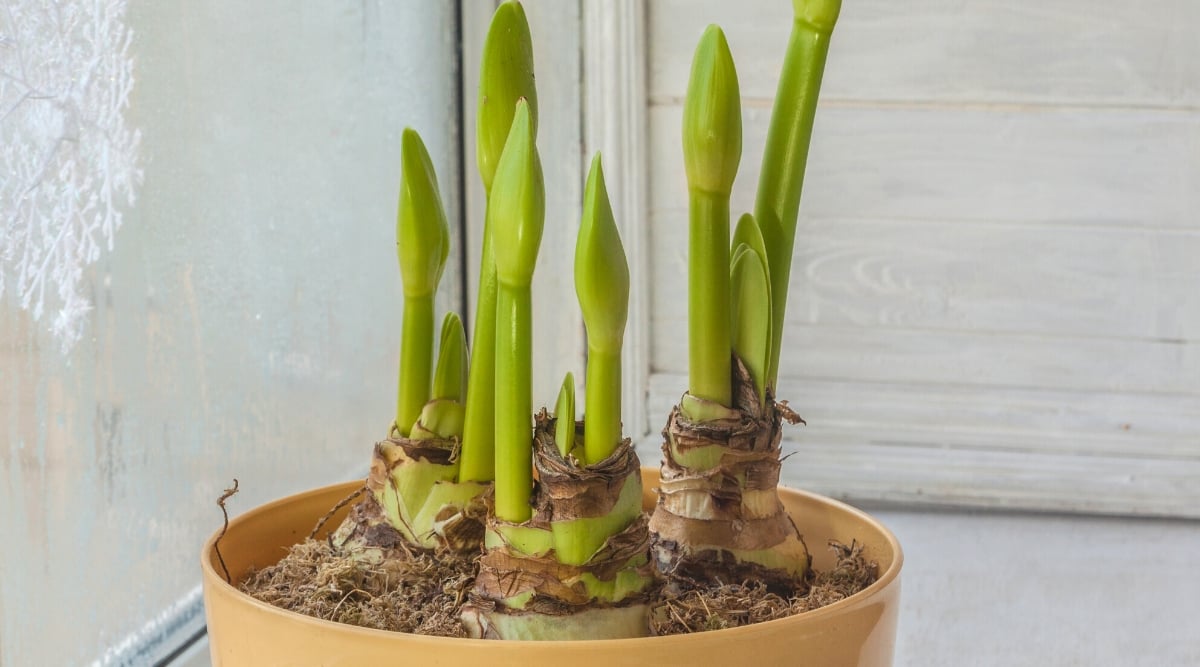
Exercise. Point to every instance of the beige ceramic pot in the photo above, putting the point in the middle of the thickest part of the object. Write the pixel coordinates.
(860, 630)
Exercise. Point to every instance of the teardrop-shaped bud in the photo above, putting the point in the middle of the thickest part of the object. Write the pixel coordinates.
(751, 314)
(450, 377)
(712, 117)
(601, 270)
(748, 233)
(422, 231)
(564, 415)
(518, 205)
(505, 76)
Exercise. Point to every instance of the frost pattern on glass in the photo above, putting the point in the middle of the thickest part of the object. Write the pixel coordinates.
(68, 158)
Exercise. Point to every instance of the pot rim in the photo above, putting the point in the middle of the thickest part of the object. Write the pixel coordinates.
(214, 579)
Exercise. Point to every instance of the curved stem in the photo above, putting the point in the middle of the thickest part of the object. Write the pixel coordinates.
(416, 361)
(785, 156)
(514, 409)
(709, 343)
(602, 411)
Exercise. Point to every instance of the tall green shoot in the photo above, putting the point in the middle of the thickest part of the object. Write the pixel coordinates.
(505, 76)
(777, 203)
(518, 213)
(602, 285)
(712, 150)
(422, 246)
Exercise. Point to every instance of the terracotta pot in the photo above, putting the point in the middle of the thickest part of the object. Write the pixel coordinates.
(860, 630)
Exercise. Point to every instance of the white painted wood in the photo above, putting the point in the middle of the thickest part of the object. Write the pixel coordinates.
(993, 298)
(1118, 423)
(558, 340)
(981, 447)
(1044, 279)
(1079, 167)
(877, 354)
(614, 60)
(1061, 239)
(1067, 52)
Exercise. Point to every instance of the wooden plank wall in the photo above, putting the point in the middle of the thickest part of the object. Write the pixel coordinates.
(994, 297)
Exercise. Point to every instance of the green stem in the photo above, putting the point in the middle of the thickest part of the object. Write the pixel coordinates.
(709, 341)
(785, 156)
(416, 361)
(514, 409)
(602, 405)
(478, 456)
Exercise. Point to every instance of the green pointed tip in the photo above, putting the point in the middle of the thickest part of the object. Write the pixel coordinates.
(821, 14)
(712, 117)
(518, 203)
(601, 269)
(751, 314)
(450, 378)
(505, 76)
(422, 231)
(749, 234)
(564, 414)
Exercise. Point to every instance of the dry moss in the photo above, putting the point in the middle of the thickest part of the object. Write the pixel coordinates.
(413, 591)
(687, 608)
(421, 592)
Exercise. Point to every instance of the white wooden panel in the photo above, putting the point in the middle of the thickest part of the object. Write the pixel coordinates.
(1110, 52)
(1095, 168)
(1034, 449)
(993, 297)
(1020, 278)
(970, 358)
(964, 417)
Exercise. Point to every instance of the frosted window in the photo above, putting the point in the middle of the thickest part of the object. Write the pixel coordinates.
(243, 318)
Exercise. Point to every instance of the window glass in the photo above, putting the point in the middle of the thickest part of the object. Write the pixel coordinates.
(242, 321)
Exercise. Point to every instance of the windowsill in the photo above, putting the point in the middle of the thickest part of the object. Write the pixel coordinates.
(984, 588)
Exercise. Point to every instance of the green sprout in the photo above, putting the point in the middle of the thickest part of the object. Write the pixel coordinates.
(564, 414)
(777, 203)
(506, 75)
(442, 416)
(602, 285)
(751, 290)
(712, 149)
(518, 213)
(422, 246)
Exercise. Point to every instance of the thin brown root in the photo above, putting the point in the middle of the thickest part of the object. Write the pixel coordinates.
(329, 515)
(229, 493)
